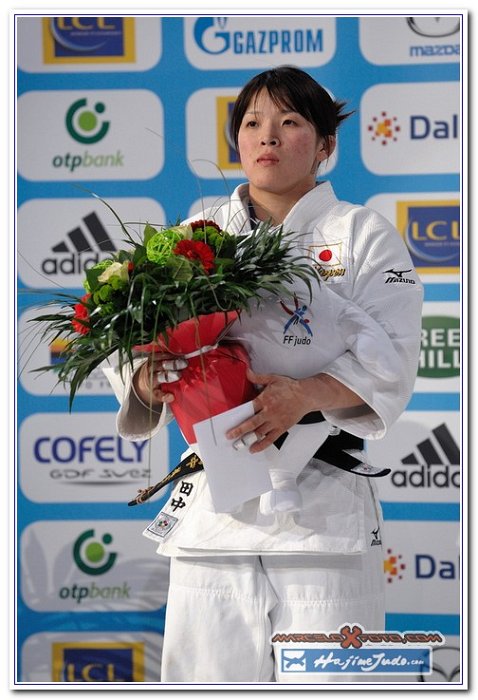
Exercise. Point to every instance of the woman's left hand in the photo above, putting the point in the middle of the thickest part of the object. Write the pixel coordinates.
(280, 405)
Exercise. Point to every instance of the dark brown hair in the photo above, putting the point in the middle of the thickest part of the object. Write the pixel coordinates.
(296, 90)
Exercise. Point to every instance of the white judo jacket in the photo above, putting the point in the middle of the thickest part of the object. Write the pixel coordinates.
(363, 260)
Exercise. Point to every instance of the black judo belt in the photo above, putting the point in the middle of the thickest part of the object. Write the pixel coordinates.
(342, 450)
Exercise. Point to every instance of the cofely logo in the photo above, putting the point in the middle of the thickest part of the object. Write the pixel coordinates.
(69, 567)
(235, 42)
(76, 234)
(66, 457)
(440, 347)
(78, 140)
(91, 555)
(429, 137)
(83, 124)
(410, 40)
(87, 39)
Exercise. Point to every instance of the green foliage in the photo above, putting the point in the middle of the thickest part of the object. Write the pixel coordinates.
(159, 293)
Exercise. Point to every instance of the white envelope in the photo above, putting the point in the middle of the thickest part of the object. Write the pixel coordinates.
(233, 476)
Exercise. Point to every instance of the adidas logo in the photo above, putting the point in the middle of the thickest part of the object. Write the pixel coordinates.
(81, 248)
(437, 460)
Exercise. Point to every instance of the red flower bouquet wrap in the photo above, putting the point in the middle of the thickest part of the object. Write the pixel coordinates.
(214, 380)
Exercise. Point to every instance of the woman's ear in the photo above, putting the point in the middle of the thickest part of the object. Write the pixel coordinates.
(326, 148)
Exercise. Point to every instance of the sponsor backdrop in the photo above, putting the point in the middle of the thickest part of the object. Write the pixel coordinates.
(135, 109)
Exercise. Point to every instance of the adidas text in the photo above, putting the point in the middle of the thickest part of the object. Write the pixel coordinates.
(73, 264)
(427, 476)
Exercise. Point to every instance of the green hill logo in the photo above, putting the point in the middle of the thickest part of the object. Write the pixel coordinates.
(440, 349)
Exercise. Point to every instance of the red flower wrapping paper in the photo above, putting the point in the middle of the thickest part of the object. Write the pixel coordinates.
(214, 380)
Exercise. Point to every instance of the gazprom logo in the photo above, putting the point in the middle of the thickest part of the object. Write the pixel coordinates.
(237, 42)
(214, 36)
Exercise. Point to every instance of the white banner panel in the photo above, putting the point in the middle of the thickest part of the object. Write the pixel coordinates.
(439, 364)
(423, 450)
(80, 458)
(213, 43)
(72, 235)
(92, 657)
(410, 40)
(422, 567)
(411, 128)
(90, 135)
(36, 350)
(92, 44)
(430, 224)
(91, 566)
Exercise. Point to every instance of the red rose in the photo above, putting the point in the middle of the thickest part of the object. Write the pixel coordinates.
(196, 250)
(202, 225)
(81, 316)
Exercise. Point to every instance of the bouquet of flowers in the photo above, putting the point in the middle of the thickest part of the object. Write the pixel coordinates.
(176, 289)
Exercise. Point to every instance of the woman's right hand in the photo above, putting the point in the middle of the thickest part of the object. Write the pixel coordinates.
(160, 368)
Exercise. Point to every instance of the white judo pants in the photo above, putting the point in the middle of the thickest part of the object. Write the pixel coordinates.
(223, 610)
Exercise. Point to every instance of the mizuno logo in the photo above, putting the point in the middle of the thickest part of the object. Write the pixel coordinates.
(398, 273)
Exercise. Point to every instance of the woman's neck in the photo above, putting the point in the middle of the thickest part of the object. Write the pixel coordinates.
(273, 207)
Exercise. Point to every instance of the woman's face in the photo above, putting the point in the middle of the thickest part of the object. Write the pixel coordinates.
(279, 149)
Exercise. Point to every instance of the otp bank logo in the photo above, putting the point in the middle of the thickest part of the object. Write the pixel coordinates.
(97, 662)
(88, 39)
(419, 125)
(83, 123)
(92, 556)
